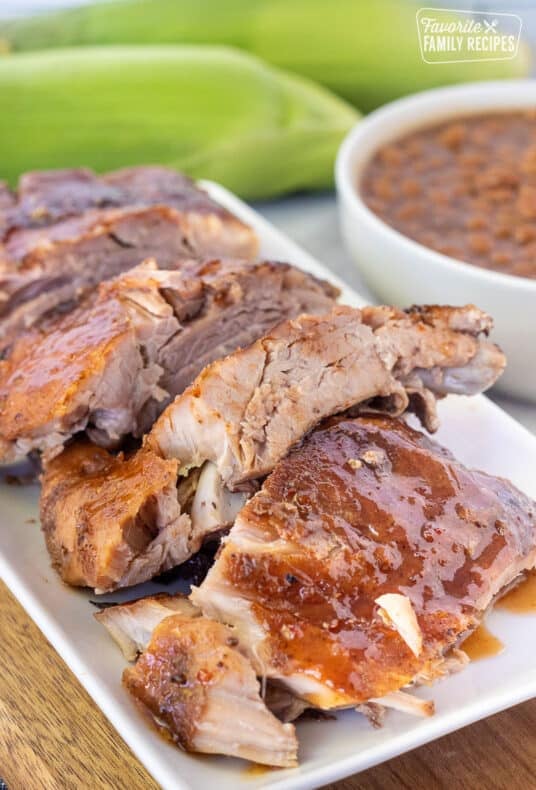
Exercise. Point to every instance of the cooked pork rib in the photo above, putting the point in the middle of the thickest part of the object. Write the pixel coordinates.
(132, 624)
(111, 521)
(58, 265)
(44, 197)
(366, 557)
(110, 366)
(70, 230)
(106, 529)
(244, 412)
(192, 678)
(241, 416)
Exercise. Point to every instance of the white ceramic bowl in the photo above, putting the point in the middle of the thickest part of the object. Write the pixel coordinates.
(400, 271)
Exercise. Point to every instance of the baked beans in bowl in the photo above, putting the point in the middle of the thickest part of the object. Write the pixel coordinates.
(437, 200)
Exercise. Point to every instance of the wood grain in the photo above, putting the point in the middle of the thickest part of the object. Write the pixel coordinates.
(53, 737)
(498, 753)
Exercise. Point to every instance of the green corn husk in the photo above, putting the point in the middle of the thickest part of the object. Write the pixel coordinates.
(365, 50)
(209, 111)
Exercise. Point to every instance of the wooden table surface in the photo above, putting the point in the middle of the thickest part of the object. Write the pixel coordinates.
(53, 736)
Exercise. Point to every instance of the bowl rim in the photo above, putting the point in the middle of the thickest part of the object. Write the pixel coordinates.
(386, 115)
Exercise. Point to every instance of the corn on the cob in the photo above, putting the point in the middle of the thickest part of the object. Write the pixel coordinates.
(365, 50)
(210, 111)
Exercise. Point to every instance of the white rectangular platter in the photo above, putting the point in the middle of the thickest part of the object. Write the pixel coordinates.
(478, 432)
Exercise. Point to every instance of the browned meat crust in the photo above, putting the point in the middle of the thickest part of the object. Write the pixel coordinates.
(202, 692)
(69, 230)
(131, 624)
(44, 197)
(110, 366)
(243, 413)
(367, 555)
(137, 524)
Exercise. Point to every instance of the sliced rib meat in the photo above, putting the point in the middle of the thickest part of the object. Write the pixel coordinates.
(111, 365)
(112, 521)
(59, 241)
(203, 692)
(356, 572)
(244, 413)
(44, 197)
(132, 624)
(368, 555)
(58, 265)
(103, 528)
